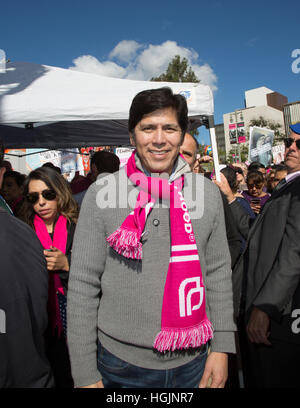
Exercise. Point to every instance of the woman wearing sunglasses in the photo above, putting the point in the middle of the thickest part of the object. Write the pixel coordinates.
(52, 212)
(255, 194)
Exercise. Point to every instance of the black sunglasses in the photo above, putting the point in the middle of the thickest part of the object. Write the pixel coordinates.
(48, 195)
(257, 185)
(289, 141)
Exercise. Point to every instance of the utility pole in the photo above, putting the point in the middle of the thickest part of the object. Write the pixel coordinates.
(240, 112)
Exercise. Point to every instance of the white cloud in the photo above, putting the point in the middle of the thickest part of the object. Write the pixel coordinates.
(88, 63)
(252, 42)
(140, 62)
(125, 51)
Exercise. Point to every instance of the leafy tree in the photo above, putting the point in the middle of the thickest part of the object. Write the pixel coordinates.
(177, 71)
(234, 151)
(222, 155)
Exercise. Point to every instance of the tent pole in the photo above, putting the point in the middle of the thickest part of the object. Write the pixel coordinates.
(213, 142)
(47, 150)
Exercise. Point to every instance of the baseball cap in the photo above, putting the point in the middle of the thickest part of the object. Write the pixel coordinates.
(295, 128)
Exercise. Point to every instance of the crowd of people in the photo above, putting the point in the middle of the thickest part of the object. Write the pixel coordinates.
(155, 289)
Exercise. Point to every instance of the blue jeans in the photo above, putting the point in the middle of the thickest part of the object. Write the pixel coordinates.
(117, 373)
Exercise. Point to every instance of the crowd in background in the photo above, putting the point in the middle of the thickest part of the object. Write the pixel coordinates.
(46, 195)
(250, 185)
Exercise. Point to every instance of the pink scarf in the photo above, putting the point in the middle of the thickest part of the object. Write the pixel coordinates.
(184, 323)
(60, 242)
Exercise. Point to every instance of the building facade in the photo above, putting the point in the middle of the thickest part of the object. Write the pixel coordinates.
(259, 102)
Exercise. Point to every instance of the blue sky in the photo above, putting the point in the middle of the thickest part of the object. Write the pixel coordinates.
(232, 45)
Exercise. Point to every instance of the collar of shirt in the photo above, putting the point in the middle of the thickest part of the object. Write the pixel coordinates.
(5, 205)
(291, 176)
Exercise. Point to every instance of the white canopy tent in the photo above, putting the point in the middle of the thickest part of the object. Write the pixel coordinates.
(55, 108)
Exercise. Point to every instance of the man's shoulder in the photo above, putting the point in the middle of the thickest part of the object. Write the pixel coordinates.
(12, 227)
(4, 205)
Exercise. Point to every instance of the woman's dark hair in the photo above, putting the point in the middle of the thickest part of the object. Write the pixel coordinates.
(230, 175)
(1, 153)
(148, 101)
(238, 170)
(256, 177)
(66, 205)
(18, 177)
(256, 166)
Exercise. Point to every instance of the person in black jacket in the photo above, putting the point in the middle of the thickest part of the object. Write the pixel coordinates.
(270, 293)
(188, 150)
(52, 212)
(23, 305)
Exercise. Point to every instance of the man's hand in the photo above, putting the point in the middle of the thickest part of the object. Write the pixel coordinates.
(224, 187)
(205, 159)
(258, 327)
(56, 260)
(216, 367)
(99, 384)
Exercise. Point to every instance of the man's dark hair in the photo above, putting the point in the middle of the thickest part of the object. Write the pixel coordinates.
(17, 176)
(230, 174)
(148, 101)
(1, 153)
(106, 162)
(49, 164)
(280, 167)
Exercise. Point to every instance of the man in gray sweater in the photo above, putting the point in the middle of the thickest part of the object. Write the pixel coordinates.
(129, 325)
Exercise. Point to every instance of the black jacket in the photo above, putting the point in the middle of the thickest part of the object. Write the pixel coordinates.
(64, 275)
(23, 306)
(272, 256)
(233, 237)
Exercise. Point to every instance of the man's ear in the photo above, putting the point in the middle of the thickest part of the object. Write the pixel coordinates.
(131, 138)
(2, 171)
(94, 169)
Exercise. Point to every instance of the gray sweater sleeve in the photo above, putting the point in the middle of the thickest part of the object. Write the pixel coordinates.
(88, 261)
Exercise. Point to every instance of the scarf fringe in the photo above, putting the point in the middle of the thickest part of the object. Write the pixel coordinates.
(127, 243)
(178, 339)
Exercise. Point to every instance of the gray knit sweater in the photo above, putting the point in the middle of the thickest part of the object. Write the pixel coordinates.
(119, 302)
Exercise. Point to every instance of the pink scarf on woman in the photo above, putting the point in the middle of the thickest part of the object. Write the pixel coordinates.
(60, 242)
(184, 323)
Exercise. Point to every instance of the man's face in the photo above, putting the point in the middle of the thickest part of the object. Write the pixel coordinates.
(188, 149)
(279, 175)
(292, 155)
(10, 189)
(157, 138)
(94, 172)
